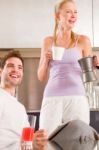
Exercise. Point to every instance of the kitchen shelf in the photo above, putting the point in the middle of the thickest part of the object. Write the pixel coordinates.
(94, 109)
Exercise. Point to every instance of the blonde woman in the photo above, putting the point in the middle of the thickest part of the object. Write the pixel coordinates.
(64, 97)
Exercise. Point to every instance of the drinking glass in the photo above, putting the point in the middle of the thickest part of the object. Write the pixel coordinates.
(28, 134)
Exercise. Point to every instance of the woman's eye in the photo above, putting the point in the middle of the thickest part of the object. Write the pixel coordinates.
(68, 11)
(75, 12)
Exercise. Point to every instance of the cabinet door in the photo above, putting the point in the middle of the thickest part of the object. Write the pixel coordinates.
(84, 22)
(96, 22)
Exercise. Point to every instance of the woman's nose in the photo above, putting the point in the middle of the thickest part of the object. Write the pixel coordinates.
(73, 15)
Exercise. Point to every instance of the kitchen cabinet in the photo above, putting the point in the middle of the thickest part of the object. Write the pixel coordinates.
(30, 92)
(94, 119)
(84, 23)
(96, 22)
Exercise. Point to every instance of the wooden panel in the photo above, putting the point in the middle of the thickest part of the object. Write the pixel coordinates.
(30, 92)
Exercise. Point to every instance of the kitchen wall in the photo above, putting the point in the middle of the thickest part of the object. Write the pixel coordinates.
(24, 23)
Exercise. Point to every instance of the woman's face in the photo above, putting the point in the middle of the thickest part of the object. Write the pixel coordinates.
(67, 15)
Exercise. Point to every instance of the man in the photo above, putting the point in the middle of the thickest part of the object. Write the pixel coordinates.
(13, 116)
(95, 62)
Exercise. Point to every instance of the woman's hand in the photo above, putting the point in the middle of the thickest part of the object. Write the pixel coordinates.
(48, 55)
(47, 49)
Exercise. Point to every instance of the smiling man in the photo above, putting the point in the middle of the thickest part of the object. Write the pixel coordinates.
(12, 71)
(13, 115)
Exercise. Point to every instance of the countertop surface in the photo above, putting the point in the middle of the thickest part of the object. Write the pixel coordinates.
(72, 145)
(68, 145)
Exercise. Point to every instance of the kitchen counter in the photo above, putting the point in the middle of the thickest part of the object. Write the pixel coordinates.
(94, 109)
(94, 117)
(69, 145)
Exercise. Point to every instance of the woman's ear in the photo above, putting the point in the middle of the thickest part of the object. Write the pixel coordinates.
(57, 16)
(0, 72)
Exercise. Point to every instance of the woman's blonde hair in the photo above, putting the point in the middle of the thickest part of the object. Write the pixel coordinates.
(57, 8)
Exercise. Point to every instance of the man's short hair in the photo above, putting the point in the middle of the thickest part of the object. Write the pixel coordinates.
(12, 53)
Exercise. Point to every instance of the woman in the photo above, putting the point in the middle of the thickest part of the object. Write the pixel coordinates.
(64, 96)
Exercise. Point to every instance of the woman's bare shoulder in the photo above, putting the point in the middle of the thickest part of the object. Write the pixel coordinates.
(83, 39)
(47, 43)
(85, 45)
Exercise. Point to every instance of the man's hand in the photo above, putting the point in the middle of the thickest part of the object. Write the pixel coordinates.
(40, 140)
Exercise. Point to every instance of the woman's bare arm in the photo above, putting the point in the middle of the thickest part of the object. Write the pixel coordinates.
(46, 56)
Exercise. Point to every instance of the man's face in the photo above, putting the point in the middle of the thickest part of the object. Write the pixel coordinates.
(12, 73)
(95, 61)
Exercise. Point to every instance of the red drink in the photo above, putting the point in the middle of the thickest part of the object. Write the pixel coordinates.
(27, 134)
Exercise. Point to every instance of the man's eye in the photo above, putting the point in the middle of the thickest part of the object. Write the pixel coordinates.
(10, 65)
(20, 67)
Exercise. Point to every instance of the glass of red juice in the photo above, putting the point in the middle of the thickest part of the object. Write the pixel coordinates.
(27, 134)
(27, 138)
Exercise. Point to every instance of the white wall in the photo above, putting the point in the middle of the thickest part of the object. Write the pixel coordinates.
(84, 23)
(24, 23)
